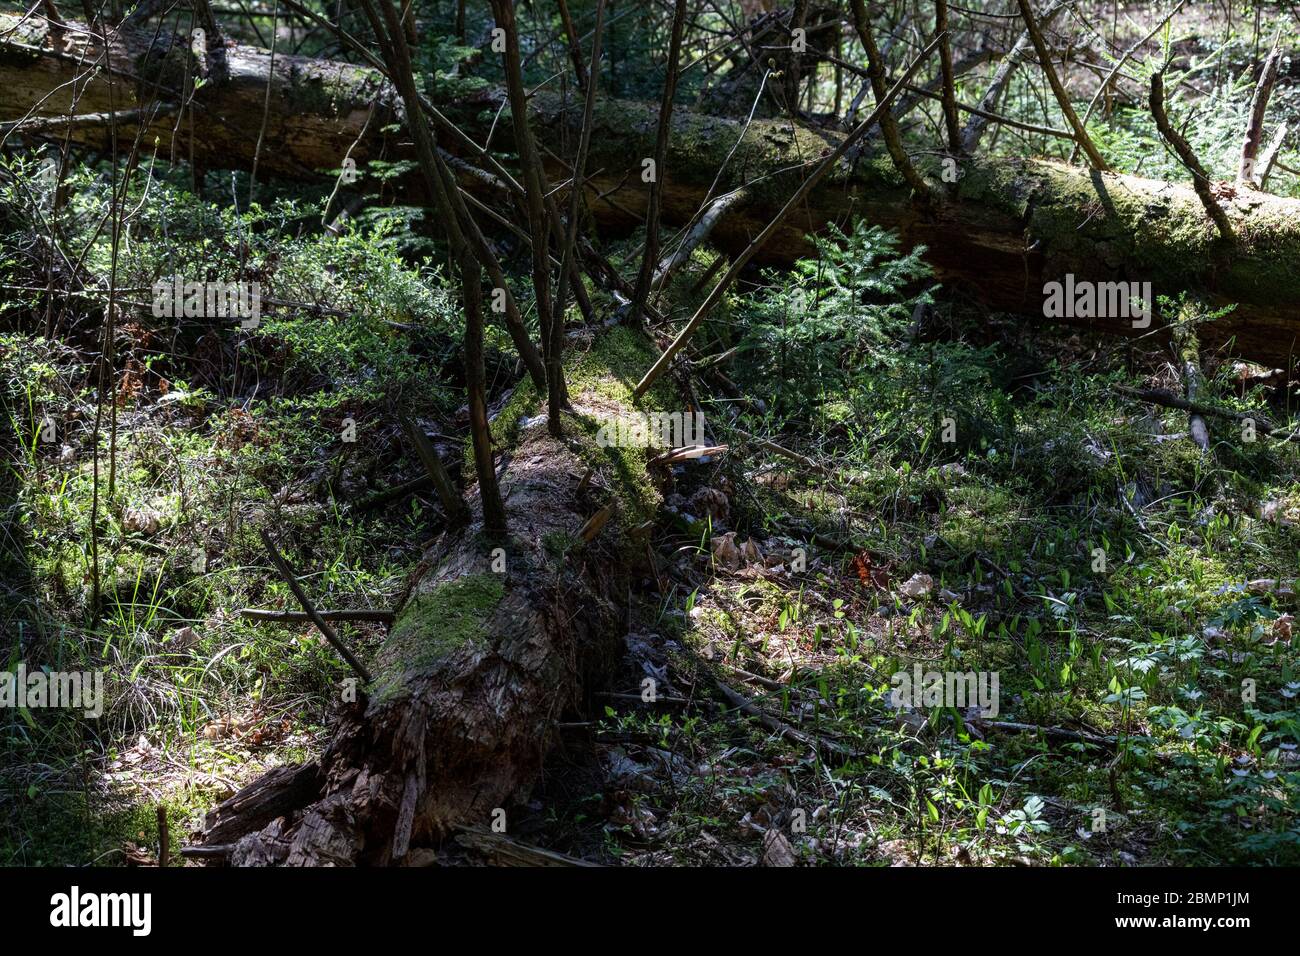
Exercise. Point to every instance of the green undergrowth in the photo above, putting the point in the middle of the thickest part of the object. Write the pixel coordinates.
(1125, 587)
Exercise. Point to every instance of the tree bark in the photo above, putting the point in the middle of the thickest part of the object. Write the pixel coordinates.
(1011, 226)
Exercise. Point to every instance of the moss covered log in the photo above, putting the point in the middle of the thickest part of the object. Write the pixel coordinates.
(317, 109)
(1010, 227)
(495, 642)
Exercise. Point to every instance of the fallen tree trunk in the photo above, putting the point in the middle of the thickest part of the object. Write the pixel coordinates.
(489, 649)
(317, 110)
(1011, 226)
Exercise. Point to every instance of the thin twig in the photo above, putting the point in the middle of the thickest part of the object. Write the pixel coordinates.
(291, 579)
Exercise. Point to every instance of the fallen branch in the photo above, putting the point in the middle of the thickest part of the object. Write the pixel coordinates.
(291, 579)
(697, 234)
(395, 493)
(1170, 400)
(784, 452)
(1058, 732)
(269, 614)
(819, 745)
(505, 851)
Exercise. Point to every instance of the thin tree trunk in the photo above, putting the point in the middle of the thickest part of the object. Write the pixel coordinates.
(650, 253)
(556, 395)
(888, 125)
(950, 119)
(1062, 97)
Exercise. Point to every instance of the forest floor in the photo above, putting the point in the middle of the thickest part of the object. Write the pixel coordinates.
(1132, 595)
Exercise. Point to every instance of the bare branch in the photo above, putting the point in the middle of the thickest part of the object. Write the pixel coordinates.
(1062, 97)
(1200, 178)
(1258, 109)
(888, 124)
(291, 579)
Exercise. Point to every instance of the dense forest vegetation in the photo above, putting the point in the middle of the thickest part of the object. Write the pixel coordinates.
(649, 433)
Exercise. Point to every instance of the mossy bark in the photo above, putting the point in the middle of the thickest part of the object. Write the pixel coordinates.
(317, 108)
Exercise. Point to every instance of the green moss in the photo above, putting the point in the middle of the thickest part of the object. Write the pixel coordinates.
(614, 365)
(606, 376)
(435, 624)
(524, 402)
(557, 543)
(1161, 236)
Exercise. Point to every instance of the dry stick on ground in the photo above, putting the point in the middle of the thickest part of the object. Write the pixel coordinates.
(742, 260)
(975, 127)
(555, 392)
(452, 502)
(1258, 108)
(949, 80)
(651, 250)
(1119, 65)
(1059, 732)
(888, 124)
(284, 617)
(818, 744)
(784, 452)
(291, 579)
(391, 494)
(1166, 399)
(1062, 97)
(1200, 179)
(504, 851)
